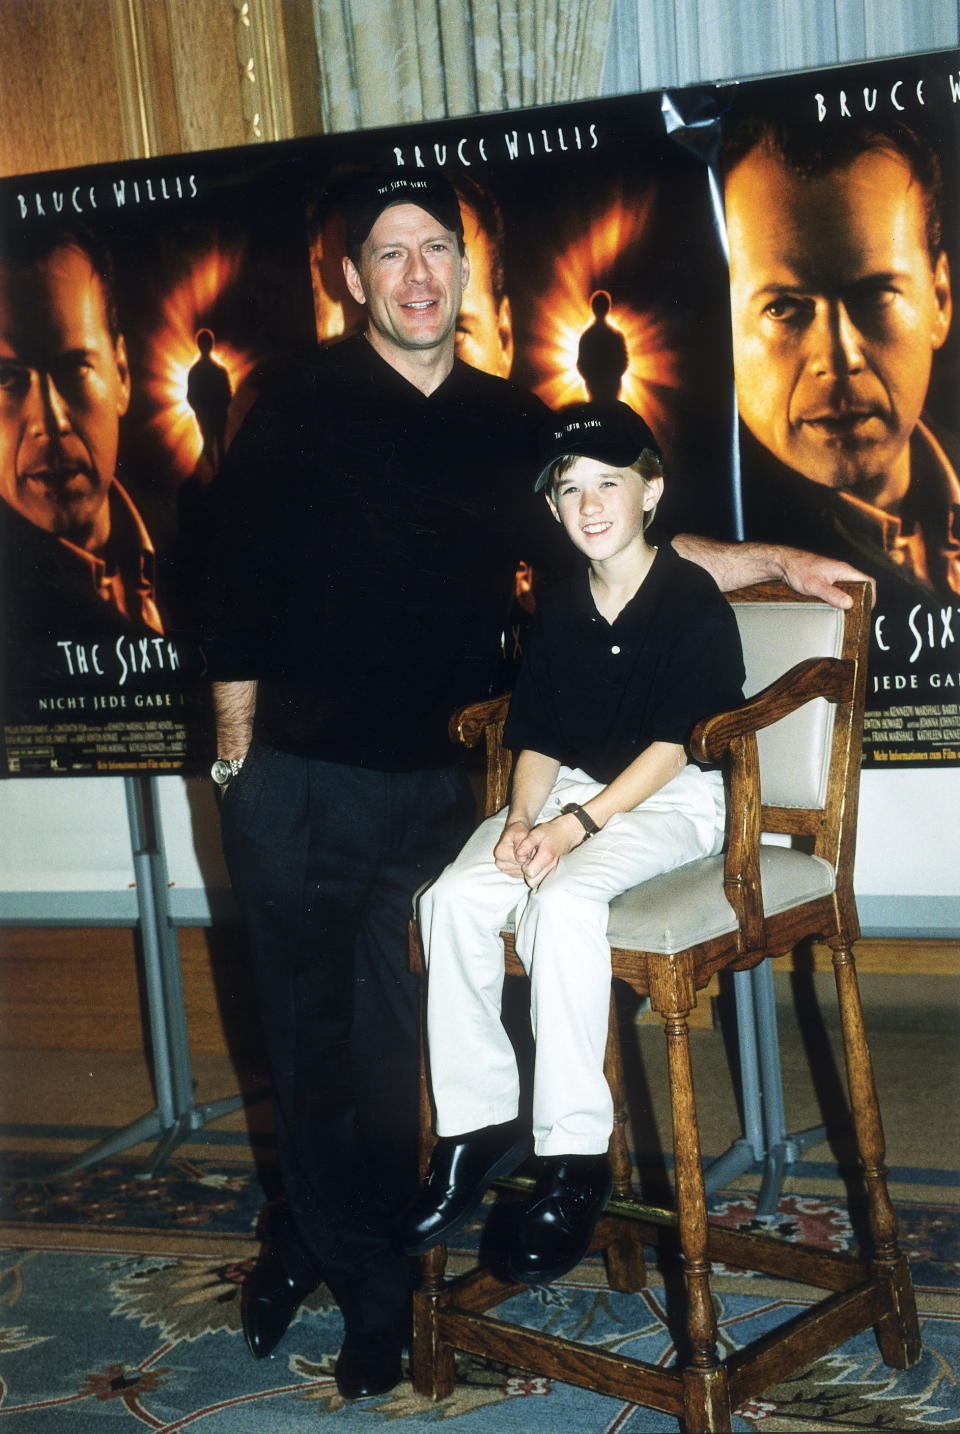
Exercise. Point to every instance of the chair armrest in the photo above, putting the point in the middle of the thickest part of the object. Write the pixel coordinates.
(468, 724)
(486, 720)
(732, 735)
(829, 677)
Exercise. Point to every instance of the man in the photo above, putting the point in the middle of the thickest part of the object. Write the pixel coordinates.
(78, 561)
(352, 613)
(840, 296)
(484, 336)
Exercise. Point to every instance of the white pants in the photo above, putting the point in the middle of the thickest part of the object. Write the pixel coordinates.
(562, 942)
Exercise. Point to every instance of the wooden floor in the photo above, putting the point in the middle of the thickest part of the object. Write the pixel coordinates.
(62, 1100)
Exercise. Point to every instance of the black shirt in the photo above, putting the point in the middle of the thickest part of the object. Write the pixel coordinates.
(595, 694)
(367, 539)
(782, 506)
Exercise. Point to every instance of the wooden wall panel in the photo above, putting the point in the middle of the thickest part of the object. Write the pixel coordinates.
(89, 81)
(59, 102)
(208, 74)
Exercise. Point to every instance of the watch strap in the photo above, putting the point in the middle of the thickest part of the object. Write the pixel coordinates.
(574, 809)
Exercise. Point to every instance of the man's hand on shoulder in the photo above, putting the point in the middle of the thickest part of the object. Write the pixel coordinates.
(817, 577)
(740, 565)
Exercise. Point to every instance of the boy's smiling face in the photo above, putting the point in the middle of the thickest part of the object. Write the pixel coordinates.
(603, 509)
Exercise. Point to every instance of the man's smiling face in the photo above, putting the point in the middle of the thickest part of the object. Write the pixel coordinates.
(411, 277)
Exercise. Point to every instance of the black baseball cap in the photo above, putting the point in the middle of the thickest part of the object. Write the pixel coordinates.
(370, 194)
(610, 432)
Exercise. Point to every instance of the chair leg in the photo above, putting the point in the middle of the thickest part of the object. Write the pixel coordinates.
(431, 1361)
(624, 1259)
(898, 1333)
(706, 1401)
(706, 1392)
(691, 1194)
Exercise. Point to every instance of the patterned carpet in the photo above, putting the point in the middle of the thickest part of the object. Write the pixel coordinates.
(119, 1310)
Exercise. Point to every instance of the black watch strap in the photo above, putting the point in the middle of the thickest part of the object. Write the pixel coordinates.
(574, 809)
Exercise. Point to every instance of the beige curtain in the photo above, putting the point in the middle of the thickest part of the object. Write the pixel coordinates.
(387, 62)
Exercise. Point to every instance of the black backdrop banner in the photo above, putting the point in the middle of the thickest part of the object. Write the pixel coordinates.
(598, 266)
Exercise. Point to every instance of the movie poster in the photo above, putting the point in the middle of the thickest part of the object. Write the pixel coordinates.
(142, 303)
(842, 217)
(597, 268)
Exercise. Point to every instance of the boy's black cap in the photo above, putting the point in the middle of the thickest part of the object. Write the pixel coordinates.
(610, 432)
(370, 194)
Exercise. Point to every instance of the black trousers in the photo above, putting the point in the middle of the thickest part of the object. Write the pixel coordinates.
(324, 860)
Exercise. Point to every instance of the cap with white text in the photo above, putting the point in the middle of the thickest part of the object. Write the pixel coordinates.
(611, 432)
(370, 194)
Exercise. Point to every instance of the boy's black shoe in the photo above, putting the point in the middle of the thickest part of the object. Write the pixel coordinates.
(269, 1300)
(554, 1230)
(462, 1167)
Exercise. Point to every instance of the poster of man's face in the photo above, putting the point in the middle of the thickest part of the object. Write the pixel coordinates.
(838, 308)
(841, 301)
(64, 386)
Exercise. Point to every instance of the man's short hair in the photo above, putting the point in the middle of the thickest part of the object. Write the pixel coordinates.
(29, 244)
(811, 151)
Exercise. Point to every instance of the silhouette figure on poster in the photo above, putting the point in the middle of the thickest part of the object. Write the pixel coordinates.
(209, 394)
(602, 358)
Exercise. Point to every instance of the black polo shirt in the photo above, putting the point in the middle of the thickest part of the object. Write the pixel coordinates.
(367, 539)
(595, 694)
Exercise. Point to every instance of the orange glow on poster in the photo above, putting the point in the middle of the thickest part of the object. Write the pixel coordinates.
(564, 314)
(174, 351)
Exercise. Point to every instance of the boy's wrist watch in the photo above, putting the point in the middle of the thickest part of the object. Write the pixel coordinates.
(225, 769)
(574, 809)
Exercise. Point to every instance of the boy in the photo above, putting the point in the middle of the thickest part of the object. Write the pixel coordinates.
(624, 659)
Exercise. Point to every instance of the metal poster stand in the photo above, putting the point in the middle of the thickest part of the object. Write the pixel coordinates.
(175, 1116)
(765, 1141)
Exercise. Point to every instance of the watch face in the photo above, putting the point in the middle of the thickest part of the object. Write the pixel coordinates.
(221, 772)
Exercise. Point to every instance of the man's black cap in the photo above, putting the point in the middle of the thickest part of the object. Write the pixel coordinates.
(610, 432)
(370, 194)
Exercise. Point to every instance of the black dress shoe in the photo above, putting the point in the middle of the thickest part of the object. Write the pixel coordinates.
(462, 1167)
(369, 1363)
(554, 1230)
(268, 1302)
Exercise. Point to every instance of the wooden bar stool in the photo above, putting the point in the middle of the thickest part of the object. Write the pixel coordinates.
(792, 757)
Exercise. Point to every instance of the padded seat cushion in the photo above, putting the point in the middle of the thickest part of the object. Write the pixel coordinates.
(688, 905)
